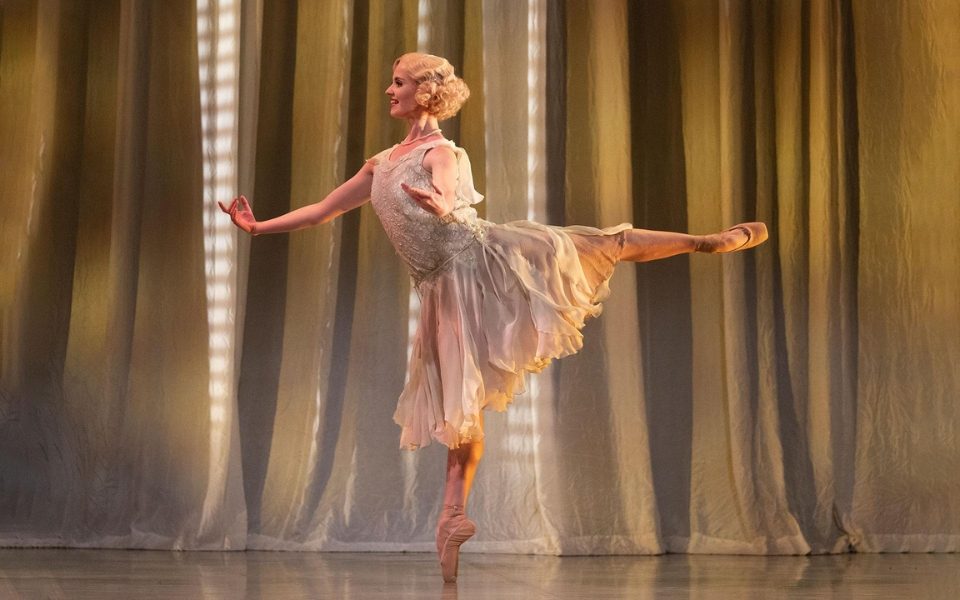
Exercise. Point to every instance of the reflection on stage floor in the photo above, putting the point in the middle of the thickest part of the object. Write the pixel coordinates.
(145, 575)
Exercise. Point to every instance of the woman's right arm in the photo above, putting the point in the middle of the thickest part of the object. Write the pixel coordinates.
(352, 193)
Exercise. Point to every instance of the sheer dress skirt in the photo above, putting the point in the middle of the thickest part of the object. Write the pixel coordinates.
(505, 306)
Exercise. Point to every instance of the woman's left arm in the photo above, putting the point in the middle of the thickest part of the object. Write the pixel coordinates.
(441, 162)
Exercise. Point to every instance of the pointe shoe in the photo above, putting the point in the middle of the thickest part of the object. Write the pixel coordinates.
(756, 234)
(451, 533)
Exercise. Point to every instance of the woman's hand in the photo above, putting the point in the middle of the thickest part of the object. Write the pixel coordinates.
(430, 200)
(240, 214)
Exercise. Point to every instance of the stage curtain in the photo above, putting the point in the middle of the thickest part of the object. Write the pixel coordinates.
(800, 397)
(106, 431)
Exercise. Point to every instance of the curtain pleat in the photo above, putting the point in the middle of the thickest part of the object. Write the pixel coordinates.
(109, 347)
(907, 449)
(658, 179)
(797, 398)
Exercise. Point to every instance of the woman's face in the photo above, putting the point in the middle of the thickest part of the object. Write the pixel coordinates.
(401, 92)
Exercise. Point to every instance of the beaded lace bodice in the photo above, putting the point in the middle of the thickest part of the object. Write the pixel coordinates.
(424, 242)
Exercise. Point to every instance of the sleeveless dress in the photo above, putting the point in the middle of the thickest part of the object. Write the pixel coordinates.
(496, 300)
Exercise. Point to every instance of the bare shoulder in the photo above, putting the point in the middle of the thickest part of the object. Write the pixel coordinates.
(366, 170)
(441, 156)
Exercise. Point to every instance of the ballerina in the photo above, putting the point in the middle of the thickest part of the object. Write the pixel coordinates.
(497, 300)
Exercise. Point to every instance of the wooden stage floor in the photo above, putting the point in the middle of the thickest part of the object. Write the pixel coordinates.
(145, 575)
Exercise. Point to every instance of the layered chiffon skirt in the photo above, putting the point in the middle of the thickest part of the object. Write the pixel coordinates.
(503, 307)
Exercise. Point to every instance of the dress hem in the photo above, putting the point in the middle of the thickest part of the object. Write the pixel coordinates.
(499, 400)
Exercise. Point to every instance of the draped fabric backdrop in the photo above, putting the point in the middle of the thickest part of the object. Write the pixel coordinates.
(167, 383)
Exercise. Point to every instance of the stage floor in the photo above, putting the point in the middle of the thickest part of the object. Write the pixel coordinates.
(145, 575)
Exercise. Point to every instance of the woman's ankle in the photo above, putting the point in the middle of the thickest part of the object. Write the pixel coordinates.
(453, 509)
(703, 243)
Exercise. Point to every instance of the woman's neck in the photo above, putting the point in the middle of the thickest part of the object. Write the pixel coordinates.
(421, 127)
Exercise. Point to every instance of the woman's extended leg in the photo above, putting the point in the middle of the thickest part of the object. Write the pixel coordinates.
(642, 245)
(454, 527)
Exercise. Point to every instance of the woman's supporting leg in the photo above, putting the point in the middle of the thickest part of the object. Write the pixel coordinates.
(454, 528)
(461, 469)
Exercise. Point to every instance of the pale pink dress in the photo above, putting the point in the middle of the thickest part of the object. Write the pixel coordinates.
(496, 300)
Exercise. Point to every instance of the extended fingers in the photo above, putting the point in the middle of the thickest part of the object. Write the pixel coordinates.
(416, 193)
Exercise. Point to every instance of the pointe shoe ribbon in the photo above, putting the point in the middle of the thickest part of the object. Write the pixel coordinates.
(451, 533)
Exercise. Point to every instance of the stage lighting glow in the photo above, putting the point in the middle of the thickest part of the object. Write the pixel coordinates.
(217, 43)
(518, 437)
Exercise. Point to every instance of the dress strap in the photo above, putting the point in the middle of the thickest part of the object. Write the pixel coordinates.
(379, 156)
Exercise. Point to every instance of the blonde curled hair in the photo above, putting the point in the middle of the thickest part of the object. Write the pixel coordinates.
(439, 90)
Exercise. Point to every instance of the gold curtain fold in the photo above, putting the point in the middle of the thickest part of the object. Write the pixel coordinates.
(105, 345)
(906, 452)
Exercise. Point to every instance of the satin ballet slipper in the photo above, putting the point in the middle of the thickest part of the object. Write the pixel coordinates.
(756, 233)
(452, 531)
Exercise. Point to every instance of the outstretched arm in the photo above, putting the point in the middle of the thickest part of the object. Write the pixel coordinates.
(352, 193)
